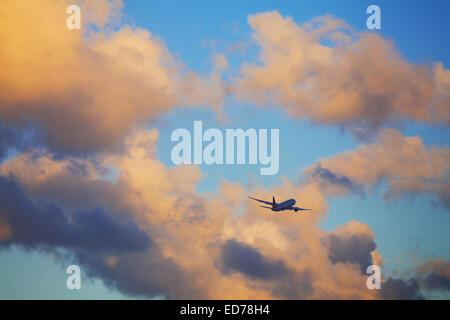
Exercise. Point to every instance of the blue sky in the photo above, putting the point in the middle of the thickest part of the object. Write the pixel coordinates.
(410, 227)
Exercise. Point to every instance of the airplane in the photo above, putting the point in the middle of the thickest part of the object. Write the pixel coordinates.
(286, 205)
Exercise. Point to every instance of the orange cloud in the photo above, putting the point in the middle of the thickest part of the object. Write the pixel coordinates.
(404, 162)
(88, 89)
(359, 81)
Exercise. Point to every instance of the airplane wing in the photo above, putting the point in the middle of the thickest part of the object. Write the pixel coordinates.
(266, 202)
(297, 208)
(266, 207)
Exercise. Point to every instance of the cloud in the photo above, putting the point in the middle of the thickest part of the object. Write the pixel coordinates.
(243, 258)
(46, 224)
(240, 257)
(329, 177)
(141, 274)
(325, 71)
(435, 275)
(85, 89)
(399, 289)
(430, 279)
(436, 282)
(352, 243)
(113, 245)
(404, 162)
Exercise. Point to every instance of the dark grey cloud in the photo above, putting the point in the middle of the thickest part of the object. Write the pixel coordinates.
(142, 274)
(434, 275)
(444, 195)
(332, 178)
(399, 289)
(430, 280)
(43, 223)
(237, 256)
(435, 282)
(287, 283)
(353, 249)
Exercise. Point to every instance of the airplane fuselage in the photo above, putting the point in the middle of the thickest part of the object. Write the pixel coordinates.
(283, 205)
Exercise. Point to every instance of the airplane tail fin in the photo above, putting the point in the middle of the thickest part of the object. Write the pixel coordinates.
(274, 204)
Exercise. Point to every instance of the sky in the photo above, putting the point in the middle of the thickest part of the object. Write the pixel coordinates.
(86, 175)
